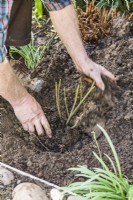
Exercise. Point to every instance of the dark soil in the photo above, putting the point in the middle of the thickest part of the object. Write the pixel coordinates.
(113, 109)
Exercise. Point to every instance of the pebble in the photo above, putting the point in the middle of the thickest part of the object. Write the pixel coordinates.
(36, 84)
(74, 198)
(28, 191)
(56, 194)
(18, 182)
(6, 177)
(29, 163)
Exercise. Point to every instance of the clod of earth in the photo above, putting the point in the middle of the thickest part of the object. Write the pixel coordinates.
(28, 191)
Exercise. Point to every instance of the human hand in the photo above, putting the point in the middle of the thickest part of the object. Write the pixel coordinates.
(26, 108)
(95, 71)
(31, 116)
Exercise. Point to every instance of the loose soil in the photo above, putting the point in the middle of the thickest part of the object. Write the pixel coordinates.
(49, 159)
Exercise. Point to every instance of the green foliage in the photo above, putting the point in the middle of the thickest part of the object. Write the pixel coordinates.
(122, 5)
(39, 8)
(130, 193)
(79, 3)
(31, 54)
(37, 12)
(102, 183)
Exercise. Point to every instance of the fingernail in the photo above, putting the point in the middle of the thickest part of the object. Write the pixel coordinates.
(50, 136)
(102, 87)
(41, 134)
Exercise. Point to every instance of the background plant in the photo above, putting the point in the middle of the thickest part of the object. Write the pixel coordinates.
(79, 4)
(37, 12)
(102, 183)
(31, 53)
(121, 5)
(39, 8)
(93, 23)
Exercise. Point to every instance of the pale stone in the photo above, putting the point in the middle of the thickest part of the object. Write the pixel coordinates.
(6, 177)
(56, 194)
(29, 191)
(75, 198)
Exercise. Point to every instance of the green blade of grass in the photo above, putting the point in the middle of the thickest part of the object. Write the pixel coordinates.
(80, 103)
(113, 150)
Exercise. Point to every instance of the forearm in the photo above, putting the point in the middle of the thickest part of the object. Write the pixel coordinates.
(66, 24)
(10, 87)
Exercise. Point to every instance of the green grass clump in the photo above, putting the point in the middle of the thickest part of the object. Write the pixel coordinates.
(31, 53)
(102, 183)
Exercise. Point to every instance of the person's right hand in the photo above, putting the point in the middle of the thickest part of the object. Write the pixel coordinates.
(26, 108)
(31, 116)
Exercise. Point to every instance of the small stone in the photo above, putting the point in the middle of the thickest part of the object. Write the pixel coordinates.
(107, 56)
(2, 187)
(29, 163)
(18, 182)
(36, 84)
(6, 177)
(29, 191)
(40, 174)
(56, 194)
(74, 198)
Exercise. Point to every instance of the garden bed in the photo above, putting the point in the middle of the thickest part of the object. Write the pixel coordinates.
(50, 158)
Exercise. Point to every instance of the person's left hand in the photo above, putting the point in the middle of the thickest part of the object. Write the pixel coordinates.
(95, 71)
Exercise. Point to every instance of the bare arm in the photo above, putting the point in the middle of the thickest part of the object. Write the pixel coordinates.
(26, 108)
(66, 24)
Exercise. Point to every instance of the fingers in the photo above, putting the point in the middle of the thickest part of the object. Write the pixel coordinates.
(39, 128)
(99, 82)
(46, 126)
(31, 116)
(42, 126)
(31, 128)
(25, 127)
(105, 72)
(96, 73)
